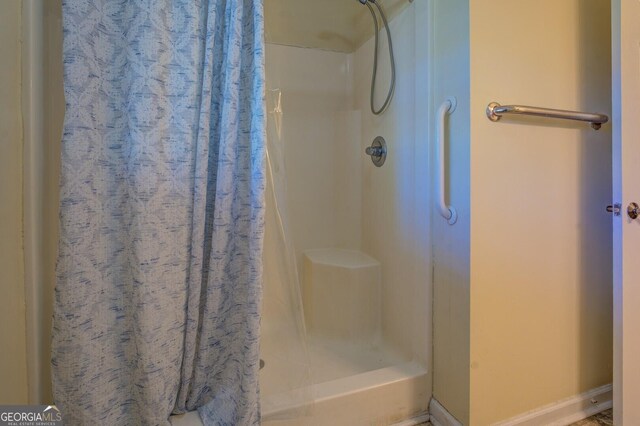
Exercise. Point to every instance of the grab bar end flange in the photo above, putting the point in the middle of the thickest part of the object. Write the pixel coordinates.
(491, 114)
(453, 216)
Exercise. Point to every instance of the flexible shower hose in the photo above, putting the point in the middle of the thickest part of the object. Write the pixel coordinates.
(374, 75)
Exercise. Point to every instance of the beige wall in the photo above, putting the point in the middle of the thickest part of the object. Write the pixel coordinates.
(450, 77)
(13, 367)
(522, 283)
(541, 319)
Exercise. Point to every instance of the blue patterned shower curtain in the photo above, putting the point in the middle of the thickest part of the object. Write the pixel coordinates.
(157, 303)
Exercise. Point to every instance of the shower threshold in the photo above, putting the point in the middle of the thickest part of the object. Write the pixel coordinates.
(351, 385)
(385, 396)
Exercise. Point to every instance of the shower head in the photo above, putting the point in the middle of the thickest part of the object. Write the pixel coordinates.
(363, 1)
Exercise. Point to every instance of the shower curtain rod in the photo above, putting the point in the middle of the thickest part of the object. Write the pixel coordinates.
(495, 111)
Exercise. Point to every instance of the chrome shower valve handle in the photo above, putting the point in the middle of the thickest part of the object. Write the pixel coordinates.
(377, 151)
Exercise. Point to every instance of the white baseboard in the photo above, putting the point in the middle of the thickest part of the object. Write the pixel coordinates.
(560, 413)
(439, 416)
(418, 420)
(566, 411)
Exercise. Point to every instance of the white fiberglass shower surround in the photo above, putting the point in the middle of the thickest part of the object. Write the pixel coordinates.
(360, 233)
(346, 326)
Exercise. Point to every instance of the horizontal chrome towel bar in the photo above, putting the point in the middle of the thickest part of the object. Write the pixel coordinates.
(495, 112)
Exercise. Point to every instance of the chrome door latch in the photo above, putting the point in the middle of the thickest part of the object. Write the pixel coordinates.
(615, 209)
(633, 210)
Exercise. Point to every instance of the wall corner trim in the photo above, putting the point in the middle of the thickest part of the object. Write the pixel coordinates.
(566, 411)
(32, 116)
(439, 415)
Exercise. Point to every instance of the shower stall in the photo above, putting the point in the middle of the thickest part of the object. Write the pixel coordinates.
(346, 327)
(347, 321)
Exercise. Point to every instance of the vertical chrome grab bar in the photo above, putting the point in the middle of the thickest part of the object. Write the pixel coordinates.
(448, 212)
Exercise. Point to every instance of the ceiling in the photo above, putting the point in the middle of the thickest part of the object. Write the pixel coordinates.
(338, 25)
